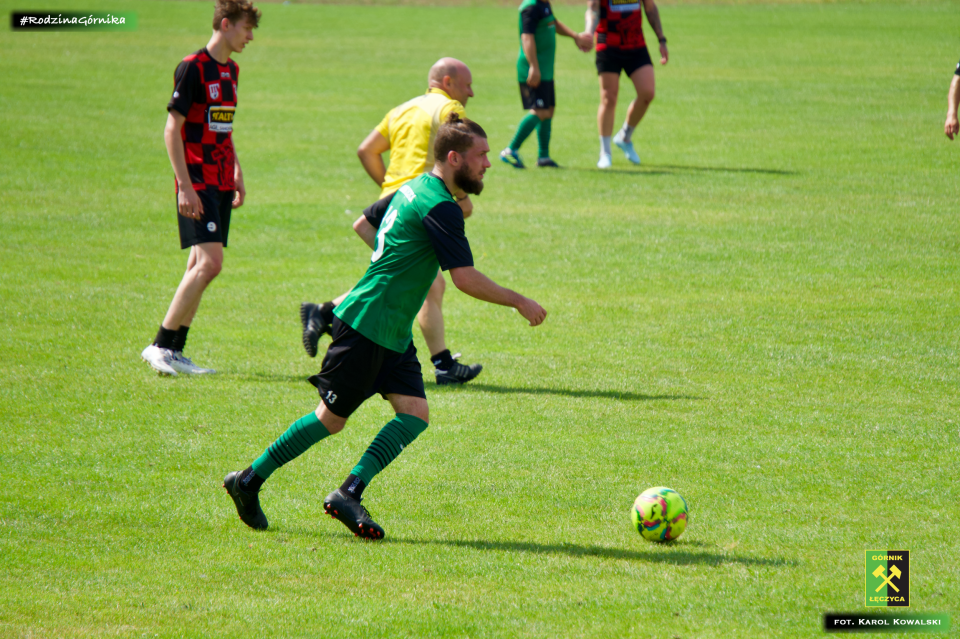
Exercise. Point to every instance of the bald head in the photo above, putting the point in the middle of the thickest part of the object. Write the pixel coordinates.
(453, 77)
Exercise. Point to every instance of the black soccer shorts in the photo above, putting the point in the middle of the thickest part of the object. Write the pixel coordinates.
(355, 368)
(213, 225)
(612, 60)
(541, 97)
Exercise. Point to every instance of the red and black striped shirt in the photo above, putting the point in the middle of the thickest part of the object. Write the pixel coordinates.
(621, 25)
(205, 92)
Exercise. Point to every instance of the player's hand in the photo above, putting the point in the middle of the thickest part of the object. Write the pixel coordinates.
(664, 54)
(188, 203)
(241, 192)
(533, 78)
(584, 41)
(466, 205)
(532, 312)
(952, 126)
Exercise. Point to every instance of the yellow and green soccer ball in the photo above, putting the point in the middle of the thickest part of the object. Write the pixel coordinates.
(660, 514)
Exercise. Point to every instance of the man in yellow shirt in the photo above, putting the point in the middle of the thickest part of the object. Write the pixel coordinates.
(408, 132)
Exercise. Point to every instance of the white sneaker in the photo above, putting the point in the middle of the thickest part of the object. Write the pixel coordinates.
(627, 148)
(160, 359)
(605, 161)
(185, 365)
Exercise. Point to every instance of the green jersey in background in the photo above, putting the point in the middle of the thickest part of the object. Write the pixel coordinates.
(536, 17)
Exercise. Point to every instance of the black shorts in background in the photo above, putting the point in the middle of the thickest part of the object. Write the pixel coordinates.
(612, 60)
(213, 225)
(540, 98)
(355, 368)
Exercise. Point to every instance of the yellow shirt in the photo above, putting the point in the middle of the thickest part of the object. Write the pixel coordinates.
(411, 129)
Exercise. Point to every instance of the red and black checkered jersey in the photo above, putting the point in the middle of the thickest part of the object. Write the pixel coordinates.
(205, 92)
(621, 25)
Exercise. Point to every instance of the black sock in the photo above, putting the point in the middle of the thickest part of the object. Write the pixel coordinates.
(353, 487)
(326, 312)
(250, 480)
(442, 360)
(165, 338)
(180, 341)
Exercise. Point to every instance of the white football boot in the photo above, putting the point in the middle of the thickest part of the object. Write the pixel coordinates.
(160, 359)
(605, 161)
(626, 147)
(185, 365)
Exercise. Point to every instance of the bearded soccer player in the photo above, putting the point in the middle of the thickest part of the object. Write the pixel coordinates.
(618, 25)
(209, 182)
(418, 229)
(408, 132)
(538, 45)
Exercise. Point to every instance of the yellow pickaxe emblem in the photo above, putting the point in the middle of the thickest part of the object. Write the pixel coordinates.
(894, 572)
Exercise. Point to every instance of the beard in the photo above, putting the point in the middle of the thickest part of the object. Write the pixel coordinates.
(467, 182)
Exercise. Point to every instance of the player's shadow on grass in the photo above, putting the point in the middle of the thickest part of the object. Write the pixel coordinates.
(267, 377)
(673, 169)
(679, 553)
(619, 395)
(720, 169)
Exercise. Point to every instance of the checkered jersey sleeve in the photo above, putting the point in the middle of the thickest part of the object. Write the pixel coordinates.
(186, 86)
(445, 228)
(957, 72)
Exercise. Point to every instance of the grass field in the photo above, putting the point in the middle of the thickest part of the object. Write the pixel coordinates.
(763, 316)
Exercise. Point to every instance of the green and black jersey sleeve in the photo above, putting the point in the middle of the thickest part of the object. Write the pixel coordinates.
(531, 15)
(375, 212)
(445, 228)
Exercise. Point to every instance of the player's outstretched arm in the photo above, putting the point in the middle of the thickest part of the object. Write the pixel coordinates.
(653, 17)
(465, 204)
(952, 126)
(582, 40)
(370, 154)
(475, 284)
(188, 203)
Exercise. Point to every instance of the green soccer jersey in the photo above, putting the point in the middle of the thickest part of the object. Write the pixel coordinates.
(536, 17)
(420, 230)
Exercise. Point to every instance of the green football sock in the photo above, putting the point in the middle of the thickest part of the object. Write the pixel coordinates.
(543, 135)
(392, 438)
(527, 126)
(302, 434)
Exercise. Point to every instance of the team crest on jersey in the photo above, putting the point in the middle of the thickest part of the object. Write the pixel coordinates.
(213, 89)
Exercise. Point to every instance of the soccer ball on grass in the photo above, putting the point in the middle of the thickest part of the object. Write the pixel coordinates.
(660, 514)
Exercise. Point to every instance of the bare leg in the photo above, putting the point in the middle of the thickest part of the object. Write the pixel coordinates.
(430, 316)
(609, 88)
(203, 266)
(408, 405)
(332, 422)
(643, 81)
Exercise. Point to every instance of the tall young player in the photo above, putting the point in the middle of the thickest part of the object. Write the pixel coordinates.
(199, 141)
(621, 47)
(538, 45)
(421, 229)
